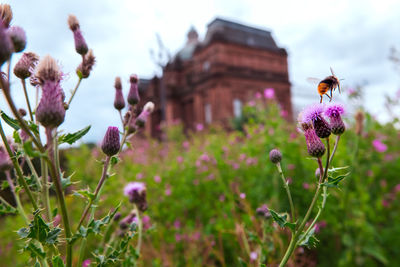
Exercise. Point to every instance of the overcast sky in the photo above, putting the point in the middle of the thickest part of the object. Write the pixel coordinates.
(354, 37)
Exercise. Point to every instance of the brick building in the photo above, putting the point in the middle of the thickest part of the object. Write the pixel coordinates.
(209, 80)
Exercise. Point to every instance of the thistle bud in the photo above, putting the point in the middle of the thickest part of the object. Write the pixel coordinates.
(126, 221)
(133, 96)
(136, 191)
(111, 145)
(22, 112)
(5, 161)
(86, 66)
(6, 14)
(119, 102)
(50, 111)
(6, 45)
(315, 147)
(275, 156)
(142, 118)
(313, 114)
(263, 212)
(18, 38)
(333, 112)
(47, 70)
(117, 216)
(80, 43)
(25, 65)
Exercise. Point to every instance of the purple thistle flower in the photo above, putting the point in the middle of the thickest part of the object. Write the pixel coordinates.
(275, 156)
(23, 68)
(18, 38)
(50, 111)
(263, 211)
(334, 112)
(136, 191)
(5, 161)
(80, 43)
(110, 144)
(84, 69)
(119, 102)
(315, 147)
(133, 95)
(313, 114)
(6, 45)
(142, 118)
(126, 221)
(379, 146)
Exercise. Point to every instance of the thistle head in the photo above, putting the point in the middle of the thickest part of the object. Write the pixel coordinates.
(314, 114)
(50, 111)
(47, 70)
(334, 112)
(18, 38)
(111, 144)
(142, 118)
(133, 95)
(25, 65)
(263, 211)
(315, 147)
(119, 102)
(6, 45)
(275, 156)
(6, 14)
(73, 23)
(86, 66)
(136, 191)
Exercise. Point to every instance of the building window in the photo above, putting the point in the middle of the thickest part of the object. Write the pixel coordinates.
(208, 114)
(237, 108)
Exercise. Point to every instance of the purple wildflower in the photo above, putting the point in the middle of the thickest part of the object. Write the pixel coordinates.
(275, 156)
(23, 68)
(136, 191)
(119, 102)
(80, 43)
(111, 144)
(84, 69)
(50, 111)
(6, 45)
(18, 38)
(379, 146)
(133, 95)
(86, 263)
(253, 256)
(126, 221)
(334, 112)
(142, 118)
(263, 211)
(269, 93)
(315, 147)
(157, 179)
(313, 114)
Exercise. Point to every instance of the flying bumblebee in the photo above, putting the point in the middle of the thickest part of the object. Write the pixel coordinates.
(329, 84)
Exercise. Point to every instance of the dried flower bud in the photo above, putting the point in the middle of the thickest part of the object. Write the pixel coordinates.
(136, 191)
(73, 23)
(18, 38)
(25, 65)
(142, 118)
(6, 45)
(47, 70)
(263, 212)
(275, 156)
(333, 112)
(111, 145)
(86, 66)
(313, 114)
(315, 147)
(119, 102)
(6, 14)
(50, 111)
(22, 112)
(359, 122)
(5, 161)
(133, 96)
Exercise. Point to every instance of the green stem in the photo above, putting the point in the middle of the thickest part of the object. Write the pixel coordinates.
(286, 185)
(327, 159)
(140, 229)
(334, 148)
(74, 92)
(28, 104)
(20, 175)
(16, 196)
(45, 190)
(33, 170)
(82, 251)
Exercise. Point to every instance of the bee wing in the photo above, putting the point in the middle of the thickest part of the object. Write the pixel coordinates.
(313, 80)
(332, 71)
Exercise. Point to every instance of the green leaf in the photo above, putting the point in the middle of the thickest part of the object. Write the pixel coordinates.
(36, 252)
(54, 212)
(6, 209)
(28, 149)
(281, 220)
(72, 138)
(52, 236)
(57, 261)
(23, 232)
(17, 138)
(85, 193)
(10, 121)
(309, 240)
(114, 160)
(334, 182)
(377, 253)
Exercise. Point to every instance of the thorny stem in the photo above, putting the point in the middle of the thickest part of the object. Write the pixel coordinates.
(99, 186)
(34, 173)
(45, 189)
(74, 91)
(20, 175)
(27, 99)
(327, 159)
(334, 148)
(55, 175)
(140, 229)
(16, 196)
(126, 129)
(285, 184)
(120, 115)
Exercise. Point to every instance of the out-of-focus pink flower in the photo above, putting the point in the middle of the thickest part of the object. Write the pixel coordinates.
(258, 95)
(168, 190)
(199, 127)
(319, 226)
(253, 256)
(251, 103)
(196, 182)
(186, 144)
(351, 91)
(242, 195)
(379, 146)
(242, 157)
(271, 131)
(196, 236)
(306, 186)
(291, 166)
(388, 157)
(86, 263)
(385, 203)
(139, 176)
(383, 183)
(293, 135)
(177, 224)
(370, 173)
(289, 180)
(235, 166)
(284, 113)
(222, 198)
(179, 159)
(211, 176)
(204, 157)
(146, 222)
(398, 93)
(397, 188)
(157, 179)
(178, 237)
(269, 93)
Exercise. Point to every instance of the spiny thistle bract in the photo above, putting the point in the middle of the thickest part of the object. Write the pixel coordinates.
(111, 144)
